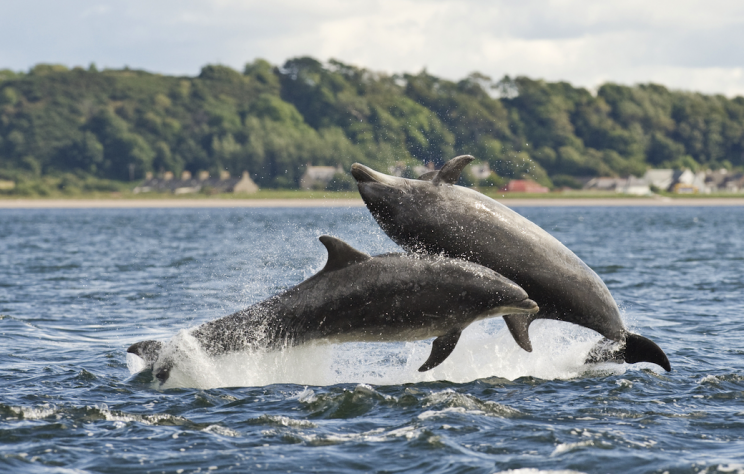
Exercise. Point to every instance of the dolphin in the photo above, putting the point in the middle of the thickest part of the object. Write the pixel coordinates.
(356, 297)
(433, 215)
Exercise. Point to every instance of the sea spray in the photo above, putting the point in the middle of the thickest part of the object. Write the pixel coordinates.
(485, 350)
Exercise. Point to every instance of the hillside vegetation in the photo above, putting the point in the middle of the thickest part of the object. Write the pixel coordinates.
(85, 126)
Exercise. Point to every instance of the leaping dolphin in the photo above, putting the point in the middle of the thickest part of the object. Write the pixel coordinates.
(433, 215)
(356, 297)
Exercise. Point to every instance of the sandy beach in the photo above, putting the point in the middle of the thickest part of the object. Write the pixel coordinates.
(228, 203)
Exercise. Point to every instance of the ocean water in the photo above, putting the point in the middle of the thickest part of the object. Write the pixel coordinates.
(77, 287)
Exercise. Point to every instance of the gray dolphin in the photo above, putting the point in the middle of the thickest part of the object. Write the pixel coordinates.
(355, 297)
(433, 215)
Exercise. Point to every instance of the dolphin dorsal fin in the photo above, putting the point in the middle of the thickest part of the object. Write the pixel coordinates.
(451, 170)
(429, 175)
(340, 254)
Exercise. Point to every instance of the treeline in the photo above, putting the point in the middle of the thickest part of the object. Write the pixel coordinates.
(272, 121)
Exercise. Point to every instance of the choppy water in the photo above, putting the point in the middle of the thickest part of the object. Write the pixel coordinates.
(78, 286)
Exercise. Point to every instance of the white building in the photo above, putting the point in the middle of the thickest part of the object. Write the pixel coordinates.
(661, 178)
(189, 185)
(318, 176)
(630, 185)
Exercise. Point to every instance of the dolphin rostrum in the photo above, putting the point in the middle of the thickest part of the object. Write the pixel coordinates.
(433, 215)
(356, 297)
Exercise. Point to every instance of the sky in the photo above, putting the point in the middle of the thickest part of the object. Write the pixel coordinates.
(684, 45)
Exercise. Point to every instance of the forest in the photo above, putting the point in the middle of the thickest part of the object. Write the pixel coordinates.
(89, 126)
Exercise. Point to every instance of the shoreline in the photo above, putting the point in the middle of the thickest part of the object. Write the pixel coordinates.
(345, 202)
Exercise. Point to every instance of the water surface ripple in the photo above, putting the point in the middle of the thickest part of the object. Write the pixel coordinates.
(78, 286)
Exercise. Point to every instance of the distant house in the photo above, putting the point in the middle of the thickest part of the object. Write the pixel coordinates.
(635, 186)
(603, 184)
(629, 185)
(687, 182)
(734, 183)
(677, 181)
(188, 185)
(226, 184)
(660, 178)
(716, 180)
(724, 181)
(524, 186)
(318, 176)
(480, 171)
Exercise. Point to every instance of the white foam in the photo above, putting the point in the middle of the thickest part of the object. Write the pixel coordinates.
(119, 416)
(708, 379)
(486, 349)
(737, 468)
(35, 413)
(566, 447)
(134, 363)
(455, 402)
(221, 430)
(377, 435)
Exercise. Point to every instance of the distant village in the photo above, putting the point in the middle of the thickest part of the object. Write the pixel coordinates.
(318, 177)
(203, 182)
(673, 181)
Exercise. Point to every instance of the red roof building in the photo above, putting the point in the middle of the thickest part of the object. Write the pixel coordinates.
(524, 186)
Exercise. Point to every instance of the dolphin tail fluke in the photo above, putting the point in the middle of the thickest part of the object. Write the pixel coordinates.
(147, 351)
(519, 325)
(641, 349)
(636, 349)
(441, 349)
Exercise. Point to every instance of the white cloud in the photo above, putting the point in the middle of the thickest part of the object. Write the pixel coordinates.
(682, 44)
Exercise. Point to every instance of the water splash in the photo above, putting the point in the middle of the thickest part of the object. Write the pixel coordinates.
(486, 349)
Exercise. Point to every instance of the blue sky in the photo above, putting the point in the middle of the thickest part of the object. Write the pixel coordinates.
(689, 45)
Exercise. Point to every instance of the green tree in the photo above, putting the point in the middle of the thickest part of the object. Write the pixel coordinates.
(274, 121)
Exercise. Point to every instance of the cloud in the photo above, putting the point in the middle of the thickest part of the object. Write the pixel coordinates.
(682, 44)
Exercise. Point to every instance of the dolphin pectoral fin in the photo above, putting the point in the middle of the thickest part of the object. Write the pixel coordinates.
(519, 325)
(441, 348)
(635, 349)
(147, 351)
(451, 170)
(641, 349)
(340, 254)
